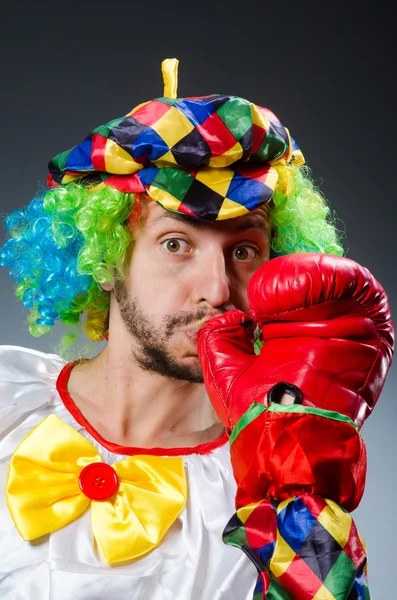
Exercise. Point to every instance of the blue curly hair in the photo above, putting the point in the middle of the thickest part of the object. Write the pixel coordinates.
(69, 240)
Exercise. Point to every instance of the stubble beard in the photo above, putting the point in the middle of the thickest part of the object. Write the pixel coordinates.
(152, 352)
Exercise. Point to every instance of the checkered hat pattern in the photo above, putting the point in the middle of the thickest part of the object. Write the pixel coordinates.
(305, 547)
(207, 157)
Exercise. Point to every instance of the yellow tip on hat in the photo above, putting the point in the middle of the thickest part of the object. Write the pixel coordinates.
(169, 69)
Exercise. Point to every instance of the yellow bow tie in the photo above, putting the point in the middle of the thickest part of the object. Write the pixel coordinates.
(55, 474)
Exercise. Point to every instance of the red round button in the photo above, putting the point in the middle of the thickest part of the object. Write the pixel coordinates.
(98, 481)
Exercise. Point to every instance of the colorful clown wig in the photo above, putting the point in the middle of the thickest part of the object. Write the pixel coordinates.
(64, 244)
(224, 157)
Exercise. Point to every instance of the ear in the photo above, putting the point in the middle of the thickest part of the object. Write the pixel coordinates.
(108, 286)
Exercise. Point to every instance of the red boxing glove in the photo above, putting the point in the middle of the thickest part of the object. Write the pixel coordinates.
(326, 328)
(327, 335)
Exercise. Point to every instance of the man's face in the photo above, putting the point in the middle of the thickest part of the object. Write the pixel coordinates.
(182, 273)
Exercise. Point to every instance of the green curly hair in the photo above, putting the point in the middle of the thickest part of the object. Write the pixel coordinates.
(70, 240)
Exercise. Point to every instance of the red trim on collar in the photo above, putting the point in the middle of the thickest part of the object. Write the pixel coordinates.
(62, 383)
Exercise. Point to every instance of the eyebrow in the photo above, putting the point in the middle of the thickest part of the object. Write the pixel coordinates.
(253, 221)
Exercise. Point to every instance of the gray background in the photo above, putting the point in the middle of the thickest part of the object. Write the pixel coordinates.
(326, 71)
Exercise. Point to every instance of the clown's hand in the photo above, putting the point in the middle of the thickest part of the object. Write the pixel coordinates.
(327, 341)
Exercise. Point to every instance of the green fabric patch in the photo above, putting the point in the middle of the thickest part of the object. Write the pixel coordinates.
(271, 148)
(105, 129)
(173, 181)
(278, 592)
(341, 577)
(60, 159)
(170, 101)
(236, 115)
(237, 538)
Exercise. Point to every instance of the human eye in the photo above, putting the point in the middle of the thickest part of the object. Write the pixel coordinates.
(176, 246)
(245, 252)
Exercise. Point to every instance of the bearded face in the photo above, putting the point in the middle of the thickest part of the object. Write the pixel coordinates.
(183, 272)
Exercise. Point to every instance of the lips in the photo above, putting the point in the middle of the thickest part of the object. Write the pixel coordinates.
(195, 327)
(192, 335)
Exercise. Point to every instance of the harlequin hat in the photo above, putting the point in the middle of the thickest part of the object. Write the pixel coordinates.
(208, 157)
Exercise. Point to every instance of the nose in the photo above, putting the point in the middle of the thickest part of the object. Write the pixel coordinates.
(212, 284)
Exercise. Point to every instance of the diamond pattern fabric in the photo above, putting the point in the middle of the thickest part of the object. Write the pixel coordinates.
(209, 157)
(305, 547)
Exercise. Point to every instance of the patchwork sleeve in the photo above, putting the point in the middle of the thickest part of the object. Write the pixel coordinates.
(301, 470)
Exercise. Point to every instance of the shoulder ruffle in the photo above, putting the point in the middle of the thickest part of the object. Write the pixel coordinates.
(27, 382)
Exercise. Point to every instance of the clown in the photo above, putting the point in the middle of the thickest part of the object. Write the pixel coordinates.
(243, 353)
